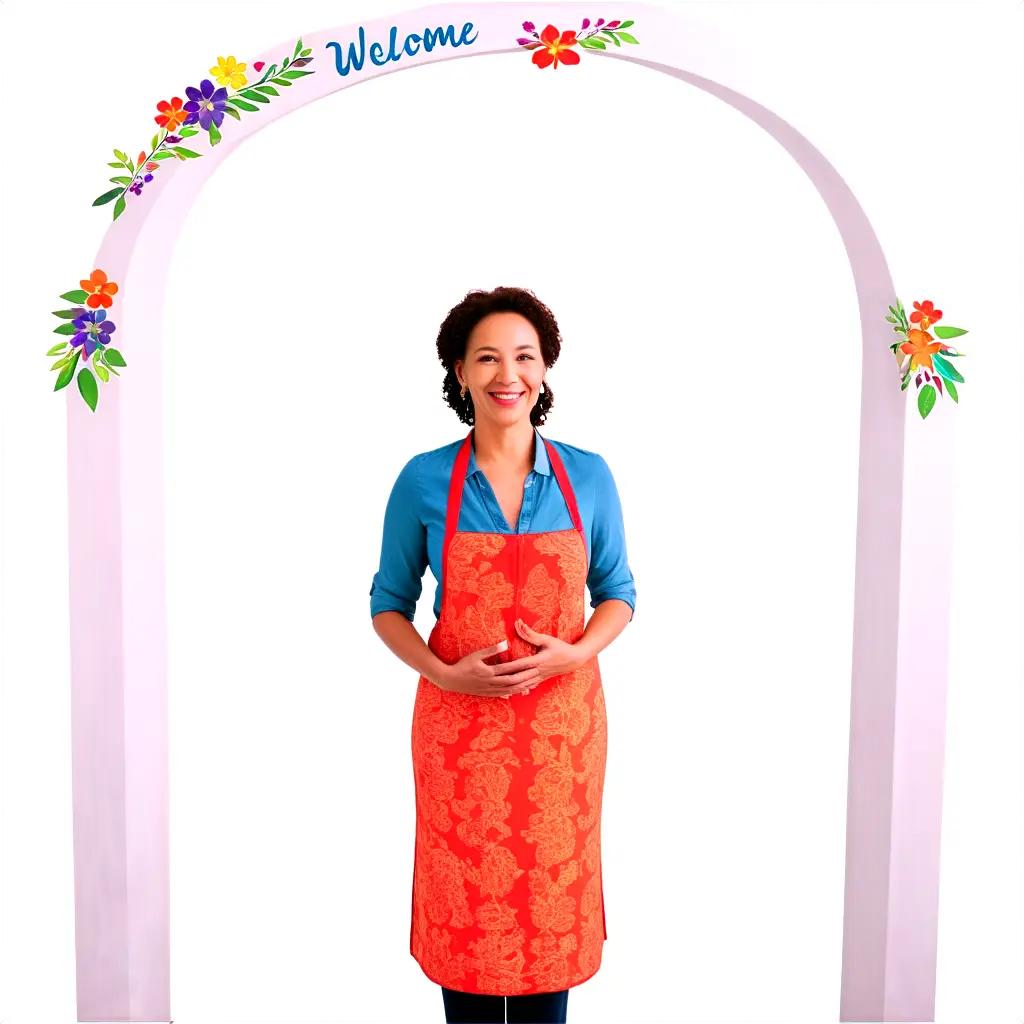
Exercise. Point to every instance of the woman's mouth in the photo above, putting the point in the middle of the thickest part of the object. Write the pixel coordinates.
(506, 397)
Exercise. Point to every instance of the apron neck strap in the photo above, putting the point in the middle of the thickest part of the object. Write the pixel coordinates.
(458, 480)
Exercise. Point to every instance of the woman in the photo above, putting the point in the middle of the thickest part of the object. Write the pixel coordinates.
(508, 732)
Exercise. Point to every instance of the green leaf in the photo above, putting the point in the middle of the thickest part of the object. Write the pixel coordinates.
(306, 52)
(951, 390)
(119, 207)
(186, 133)
(112, 357)
(66, 329)
(115, 163)
(256, 97)
(107, 196)
(63, 361)
(891, 320)
(57, 348)
(946, 369)
(298, 46)
(234, 113)
(268, 89)
(906, 381)
(189, 154)
(593, 44)
(294, 74)
(899, 330)
(925, 400)
(627, 24)
(88, 388)
(164, 154)
(65, 314)
(951, 353)
(948, 332)
(155, 140)
(122, 179)
(131, 165)
(282, 81)
(67, 373)
(101, 371)
(628, 38)
(78, 295)
(215, 135)
(120, 155)
(242, 105)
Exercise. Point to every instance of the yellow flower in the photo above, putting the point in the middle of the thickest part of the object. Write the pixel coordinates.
(229, 72)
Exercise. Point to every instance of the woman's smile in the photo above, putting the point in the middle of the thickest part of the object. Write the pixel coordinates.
(506, 398)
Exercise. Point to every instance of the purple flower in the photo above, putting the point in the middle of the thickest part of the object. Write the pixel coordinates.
(93, 328)
(586, 22)
(528, 26)
(136, 185)
(205, 104)
(173, 138)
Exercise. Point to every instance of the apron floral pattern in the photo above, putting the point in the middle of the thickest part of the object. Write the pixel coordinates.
(507, 893)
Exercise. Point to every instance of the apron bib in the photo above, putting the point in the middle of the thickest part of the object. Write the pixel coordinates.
(507, 895)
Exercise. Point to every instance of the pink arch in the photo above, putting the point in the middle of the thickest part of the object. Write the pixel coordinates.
(117, 584)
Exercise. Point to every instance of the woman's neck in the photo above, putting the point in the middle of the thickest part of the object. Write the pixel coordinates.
(510, 448)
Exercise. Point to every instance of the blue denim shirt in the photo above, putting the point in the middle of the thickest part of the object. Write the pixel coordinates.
(414, 522)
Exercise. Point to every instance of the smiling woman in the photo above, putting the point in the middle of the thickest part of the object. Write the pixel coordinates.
(508, 735)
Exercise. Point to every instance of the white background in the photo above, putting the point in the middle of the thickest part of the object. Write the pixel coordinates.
(711, 354)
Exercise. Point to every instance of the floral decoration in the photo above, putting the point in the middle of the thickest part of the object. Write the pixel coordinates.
(88, 326)
(87, 330)
(203, 111)
(552, 47)
(923, 358)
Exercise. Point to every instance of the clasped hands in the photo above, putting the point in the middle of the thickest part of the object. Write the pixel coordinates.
(472, 675)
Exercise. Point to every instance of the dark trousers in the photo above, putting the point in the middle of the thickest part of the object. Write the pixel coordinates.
(470, 1008)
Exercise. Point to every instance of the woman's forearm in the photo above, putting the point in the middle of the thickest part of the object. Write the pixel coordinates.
(402, 637)
(608, 621)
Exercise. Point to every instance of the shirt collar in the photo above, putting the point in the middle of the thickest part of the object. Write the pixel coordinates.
(541, 462)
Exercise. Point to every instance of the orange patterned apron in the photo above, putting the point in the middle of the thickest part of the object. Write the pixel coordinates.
(507, 894)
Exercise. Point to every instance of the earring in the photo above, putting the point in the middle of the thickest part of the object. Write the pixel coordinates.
(463, 392)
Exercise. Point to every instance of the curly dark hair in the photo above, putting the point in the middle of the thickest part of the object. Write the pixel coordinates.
(453, 338)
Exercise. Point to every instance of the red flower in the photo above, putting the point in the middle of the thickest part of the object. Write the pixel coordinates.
(925, 314)
(556, 48)
(172, 114)
(100, 290)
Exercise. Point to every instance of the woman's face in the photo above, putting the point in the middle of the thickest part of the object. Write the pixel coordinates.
(502, 356)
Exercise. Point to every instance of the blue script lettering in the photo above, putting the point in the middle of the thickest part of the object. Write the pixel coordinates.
(430, 39)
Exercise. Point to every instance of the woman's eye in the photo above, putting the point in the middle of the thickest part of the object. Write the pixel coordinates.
(524, 355)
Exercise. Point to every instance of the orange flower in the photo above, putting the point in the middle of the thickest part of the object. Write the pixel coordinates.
(921, 348)
(99, 289)
(925, 314)
(171, 114)
(556, 48)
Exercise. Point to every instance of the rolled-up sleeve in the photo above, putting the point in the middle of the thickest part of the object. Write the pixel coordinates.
(398, 582)
(609, 575)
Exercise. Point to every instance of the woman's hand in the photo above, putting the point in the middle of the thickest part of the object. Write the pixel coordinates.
(471, 674)
(554, 657)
